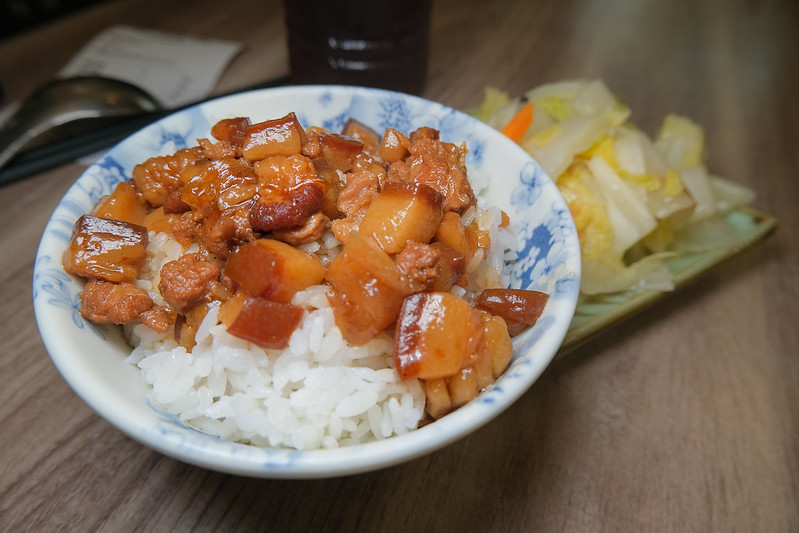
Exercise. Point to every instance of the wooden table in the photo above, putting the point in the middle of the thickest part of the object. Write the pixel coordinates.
(684, 418)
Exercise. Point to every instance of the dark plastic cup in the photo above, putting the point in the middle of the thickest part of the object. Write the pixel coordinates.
(373, 43)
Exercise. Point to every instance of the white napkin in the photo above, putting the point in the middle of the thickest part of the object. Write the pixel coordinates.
(175, 69)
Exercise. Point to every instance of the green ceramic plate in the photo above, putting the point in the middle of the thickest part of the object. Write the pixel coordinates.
(599, 312)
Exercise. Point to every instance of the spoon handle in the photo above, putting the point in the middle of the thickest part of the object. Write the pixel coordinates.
(12, 140)
(68, 149)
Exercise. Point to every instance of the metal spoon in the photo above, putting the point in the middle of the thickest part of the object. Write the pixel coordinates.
(70, 106)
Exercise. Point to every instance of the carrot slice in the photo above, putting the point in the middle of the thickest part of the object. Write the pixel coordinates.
(520, 122)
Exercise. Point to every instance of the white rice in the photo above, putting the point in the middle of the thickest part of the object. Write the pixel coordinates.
(319, 392)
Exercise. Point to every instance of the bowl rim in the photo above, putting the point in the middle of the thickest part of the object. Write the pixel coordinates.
(235, 458)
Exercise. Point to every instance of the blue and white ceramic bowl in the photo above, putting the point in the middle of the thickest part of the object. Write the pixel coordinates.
(91, 359)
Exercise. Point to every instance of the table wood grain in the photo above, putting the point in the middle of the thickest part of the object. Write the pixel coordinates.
(683, 418)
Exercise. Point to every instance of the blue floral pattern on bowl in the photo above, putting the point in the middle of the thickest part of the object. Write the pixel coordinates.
(92, 361)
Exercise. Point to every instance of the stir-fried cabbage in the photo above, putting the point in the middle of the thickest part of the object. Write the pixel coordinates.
(631, 196)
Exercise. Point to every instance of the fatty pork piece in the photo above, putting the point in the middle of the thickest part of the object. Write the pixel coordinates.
(458, 350)
(230, 134)
(455, 349)
(403, 212)
(519, 308)
(103, 302)
(339, 151)
(394, 146)
(309, 231)
(110, 253)
(188, 281)
(289, 192)
(361, 188)
(266, 323)
(367, 289)
(293, 189)
(158, 177)
(332, 156)
(272, 269)
(217, 196)
(106, 249)
(280, 136)
(358, 130)
(430, 267)
(438, 164)
(268, 273)
(368, 286)
(125, 203)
